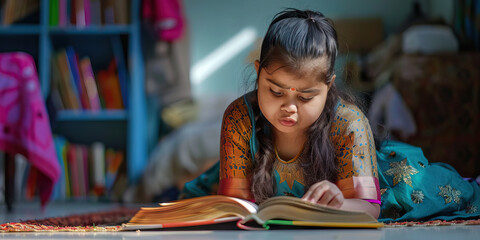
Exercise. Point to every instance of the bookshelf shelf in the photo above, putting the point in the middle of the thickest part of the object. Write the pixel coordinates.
(20, 30)
(103, 115)
(92, 30)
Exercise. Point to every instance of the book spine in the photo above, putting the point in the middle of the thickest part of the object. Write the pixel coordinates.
(95, 12)
(86, 171)
(60, 144)
(62, 12)
(80, 13)
(90, 84)
(68, 82)
(73, 167)
(98, 168)
(110, 88)
(86, 11)
(121, 68)
(54, 13)
(80, 171)
(73, 66)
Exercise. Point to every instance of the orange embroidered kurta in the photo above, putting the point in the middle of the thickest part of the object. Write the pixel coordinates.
(350, 134)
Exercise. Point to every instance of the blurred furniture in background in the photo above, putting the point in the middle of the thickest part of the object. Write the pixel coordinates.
(442, 92)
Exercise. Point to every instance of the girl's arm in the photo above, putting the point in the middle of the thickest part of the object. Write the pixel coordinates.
(353, 204)
(235, 161)
(357, 181)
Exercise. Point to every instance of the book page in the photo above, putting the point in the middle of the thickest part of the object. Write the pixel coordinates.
(195, 210)
(292, 208)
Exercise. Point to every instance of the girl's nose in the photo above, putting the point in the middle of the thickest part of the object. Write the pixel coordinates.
(289, 107)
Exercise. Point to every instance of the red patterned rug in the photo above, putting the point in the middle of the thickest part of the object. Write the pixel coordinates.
(111, 221)
(106, 221)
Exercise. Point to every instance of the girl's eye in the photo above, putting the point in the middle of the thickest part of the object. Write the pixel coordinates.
(277, 94)
(305, 99)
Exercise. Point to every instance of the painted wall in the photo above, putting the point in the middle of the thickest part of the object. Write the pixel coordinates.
(223, 32)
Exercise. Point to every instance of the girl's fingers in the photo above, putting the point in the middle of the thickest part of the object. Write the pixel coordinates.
(336, 201)
(325, 193)
(312, 191)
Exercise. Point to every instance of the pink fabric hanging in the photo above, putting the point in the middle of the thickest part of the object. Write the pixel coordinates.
(166, 17)
(24, 123)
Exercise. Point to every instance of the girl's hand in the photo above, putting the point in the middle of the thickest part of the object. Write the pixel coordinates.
(325, 193)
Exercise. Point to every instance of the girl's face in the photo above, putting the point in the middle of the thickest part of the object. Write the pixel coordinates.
(290, 103)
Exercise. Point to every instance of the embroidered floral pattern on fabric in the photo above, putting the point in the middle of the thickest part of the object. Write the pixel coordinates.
(289, 172)
(401, 172)
(471, 209)
(450, 194)
(417, 196)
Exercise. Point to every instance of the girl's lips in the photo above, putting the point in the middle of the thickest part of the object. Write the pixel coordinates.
(288, 122)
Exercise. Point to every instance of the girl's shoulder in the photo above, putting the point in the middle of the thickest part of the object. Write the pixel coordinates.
(347, 114)
(238, 110)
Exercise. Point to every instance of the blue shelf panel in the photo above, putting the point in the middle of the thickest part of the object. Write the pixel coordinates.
(85, 115)
(20, 30)
(92, 30)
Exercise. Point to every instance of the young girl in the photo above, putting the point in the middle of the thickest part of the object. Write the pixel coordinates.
(295, 135)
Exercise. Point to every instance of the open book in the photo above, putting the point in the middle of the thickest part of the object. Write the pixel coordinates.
(216, 209)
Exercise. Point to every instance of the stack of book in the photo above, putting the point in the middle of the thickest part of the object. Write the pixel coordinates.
(89, 172)
(83, 13)
(75, 86)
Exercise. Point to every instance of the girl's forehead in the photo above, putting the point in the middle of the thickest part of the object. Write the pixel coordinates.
(305, 67)
(296, 73)
(288, 78)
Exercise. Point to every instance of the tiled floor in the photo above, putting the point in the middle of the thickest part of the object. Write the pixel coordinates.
(25, 211)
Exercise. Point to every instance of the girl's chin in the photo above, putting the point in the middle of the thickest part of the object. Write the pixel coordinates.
(284, 129)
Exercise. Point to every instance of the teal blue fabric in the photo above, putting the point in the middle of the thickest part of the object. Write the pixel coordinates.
(203, 185)
(436, 190)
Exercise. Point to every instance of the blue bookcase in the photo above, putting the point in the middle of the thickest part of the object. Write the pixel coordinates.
(124, 129)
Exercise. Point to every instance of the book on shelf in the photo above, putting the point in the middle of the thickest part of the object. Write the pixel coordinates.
(54, 13)
(68, 86)
(79, 84)
(120, 8)
(88, 79)
(79, 13)
(114, 160)
(76, 87)
(109, 87)
(121, 68)
(95, 13)
(108, 11)
(86, 170)
(60, 189)
(73, 170)
(279, 211)
(97, 168)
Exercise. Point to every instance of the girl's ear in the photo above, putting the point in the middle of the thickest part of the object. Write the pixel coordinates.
(332, 81)
(257, 66)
